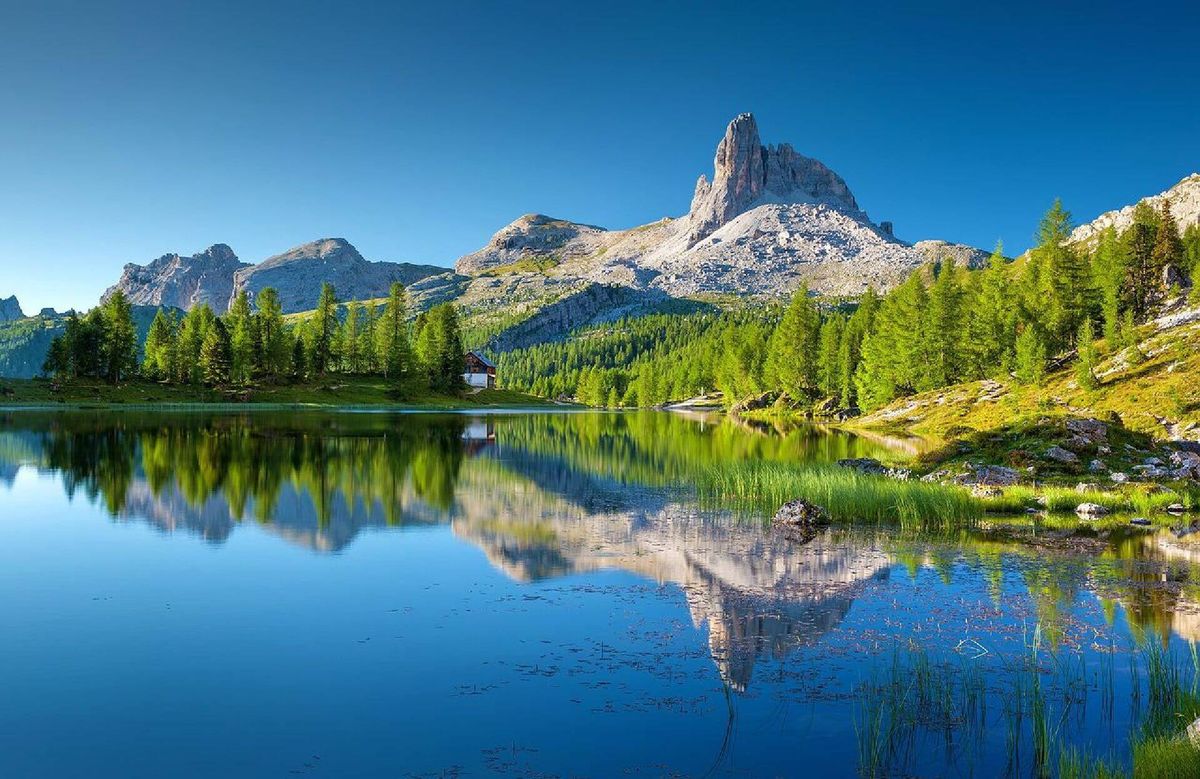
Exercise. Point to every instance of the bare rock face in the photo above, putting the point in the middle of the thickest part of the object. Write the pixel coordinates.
(1185, 207)
(182, 282)
(10, 309)
(299, 273)
(533, 236)
(747, 174)
(964, 256)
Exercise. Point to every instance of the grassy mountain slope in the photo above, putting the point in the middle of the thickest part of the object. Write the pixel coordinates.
(1153, 387)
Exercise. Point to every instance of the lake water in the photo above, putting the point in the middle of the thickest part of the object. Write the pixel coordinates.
(529, 595)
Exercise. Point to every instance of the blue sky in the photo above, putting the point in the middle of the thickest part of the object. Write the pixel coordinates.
(130, 130)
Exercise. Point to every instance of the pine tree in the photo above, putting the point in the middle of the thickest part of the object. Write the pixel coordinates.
(321, 331)
(1030, 356)
(991, 326)
(1143, 277)
(862, 321)
(119, 343)
(1108, 273)
(391, 335)
(827, 356)
(440, 349)
(1067, 277)
(943, 334)
(159, 348)
(349, 339)
(1085, 365)
(275, 347)
(216, 355)
(241, 325)
(192, 332)
(792, 360)
(1168, 254)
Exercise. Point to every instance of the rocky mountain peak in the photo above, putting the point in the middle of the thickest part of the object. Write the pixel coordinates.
(1184, 198)
(747, 174)
(10, 309)
(182, 282)
(529, 235)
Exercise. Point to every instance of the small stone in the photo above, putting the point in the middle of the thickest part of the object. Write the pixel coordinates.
(1087, 486)
(1095, 466)
(983, 491)
(1176, 508)
(1118, 477)
(1140, 521)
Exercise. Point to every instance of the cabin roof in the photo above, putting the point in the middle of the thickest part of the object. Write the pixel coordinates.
(488, 363)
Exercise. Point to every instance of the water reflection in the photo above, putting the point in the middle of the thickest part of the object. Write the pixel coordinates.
(548, 495)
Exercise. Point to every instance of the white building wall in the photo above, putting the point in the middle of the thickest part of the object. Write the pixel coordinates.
(476, 379)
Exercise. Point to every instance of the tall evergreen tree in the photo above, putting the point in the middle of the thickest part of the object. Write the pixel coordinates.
(274, 341)
(391, 335)
(944, 330)
(792, 360)
(1143, 278)
(321, 330)
(440, 349)
(158, 362)
(1030, 356)
(119, 343)
(1085, 364)
(1108, 272)
(241, 325)
(216, 355)
(827, 356)
(1067, 277)
(1168, 254)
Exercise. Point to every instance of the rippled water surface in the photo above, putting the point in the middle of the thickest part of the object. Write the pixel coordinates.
(528, 595)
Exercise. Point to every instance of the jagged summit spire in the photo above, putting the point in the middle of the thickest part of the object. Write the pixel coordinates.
(746, 173)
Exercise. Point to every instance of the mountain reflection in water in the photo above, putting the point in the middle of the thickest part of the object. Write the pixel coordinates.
(542, 495)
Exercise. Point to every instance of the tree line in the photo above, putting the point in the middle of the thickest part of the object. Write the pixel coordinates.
(944, 324)
(255, 342)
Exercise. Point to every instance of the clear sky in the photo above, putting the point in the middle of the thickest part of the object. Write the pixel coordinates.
(130, 130)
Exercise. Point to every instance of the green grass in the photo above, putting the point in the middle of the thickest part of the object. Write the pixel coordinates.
(335, 390)
(1063, 500)
(847, 495)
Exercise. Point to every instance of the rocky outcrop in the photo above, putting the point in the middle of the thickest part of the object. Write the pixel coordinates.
(299, 273)
(182, 282)
(1185, 207)
(747, 174)
(535, 236)
(10, 309)
(964, 256)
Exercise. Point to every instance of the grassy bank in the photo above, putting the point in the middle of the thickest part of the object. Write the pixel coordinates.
(336, 391)
(1154, 387)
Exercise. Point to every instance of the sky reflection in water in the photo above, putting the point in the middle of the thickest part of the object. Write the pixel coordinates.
(520, 595)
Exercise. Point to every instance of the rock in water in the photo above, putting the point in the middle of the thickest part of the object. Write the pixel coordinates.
(1091, 510)
(800, 514)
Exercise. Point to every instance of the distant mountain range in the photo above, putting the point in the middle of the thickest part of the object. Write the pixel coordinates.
(216, 275)
(769, 220)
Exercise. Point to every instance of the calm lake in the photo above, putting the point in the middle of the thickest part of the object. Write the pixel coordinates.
(533, 595)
